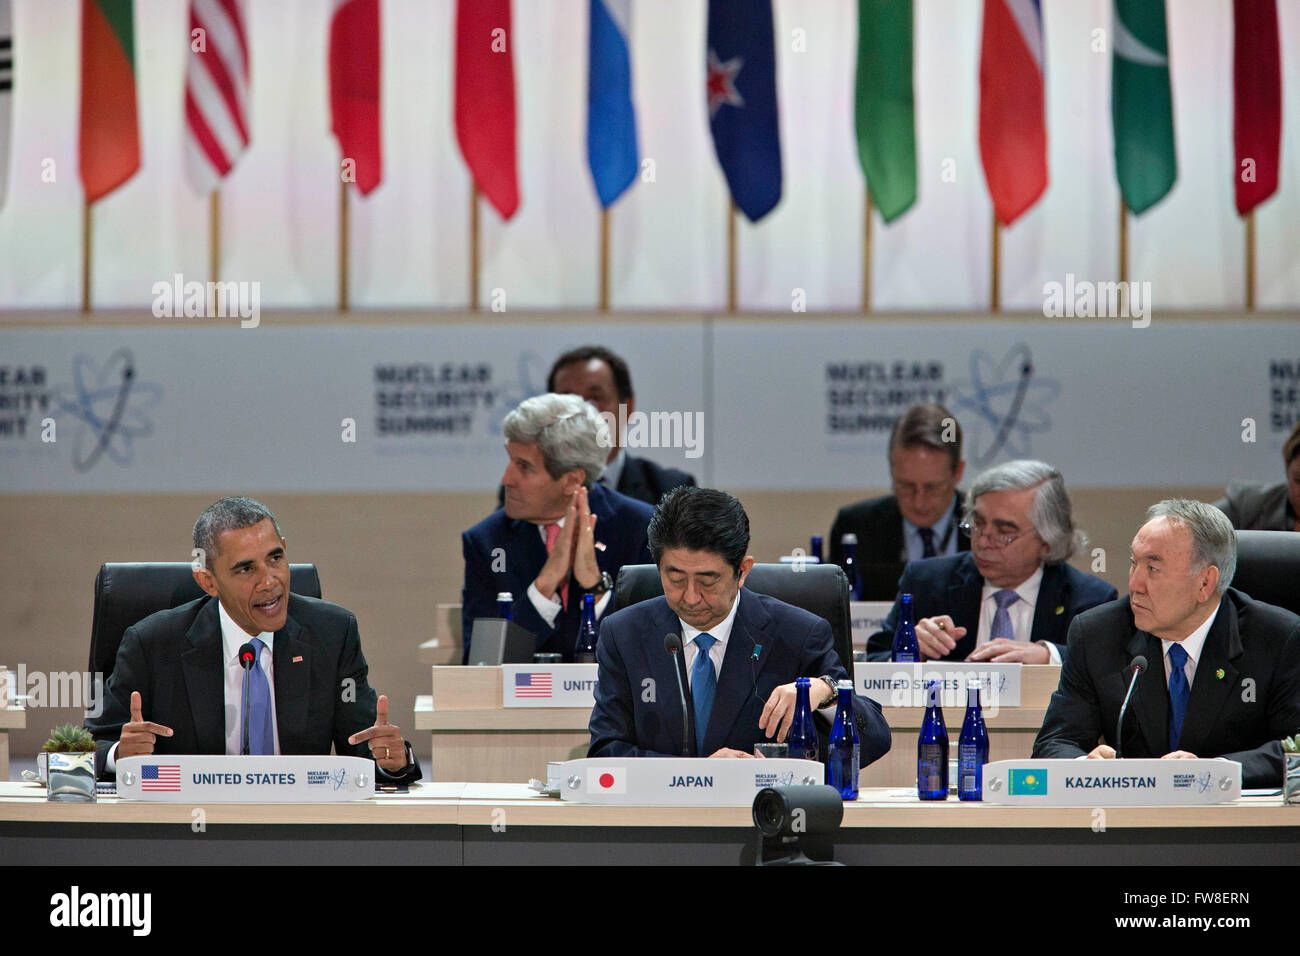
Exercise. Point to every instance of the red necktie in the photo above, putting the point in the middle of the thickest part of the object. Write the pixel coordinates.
(553, 532)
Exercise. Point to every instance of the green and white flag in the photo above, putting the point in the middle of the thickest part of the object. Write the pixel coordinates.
(885, 112)
(1141, 103)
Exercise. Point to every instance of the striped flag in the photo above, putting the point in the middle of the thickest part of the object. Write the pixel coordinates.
(741, 95)
(1141, 103)
(611, 121)
(216, 92)
(160, 778)
(885, 108)
(6, 91)
(1013, 128)
(485, 100)
(355, 88)
(109, 138)
(1257, 101)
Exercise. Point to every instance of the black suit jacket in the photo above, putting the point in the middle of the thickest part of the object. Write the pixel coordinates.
(174, 659)
(646, 481)
(790, 642)
(621, 524)
(878, 523)
(1242, 715)
(953, 585)
(1253, 507)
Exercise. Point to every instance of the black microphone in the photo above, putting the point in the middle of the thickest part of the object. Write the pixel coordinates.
(247, 660)
(673, 645)
(1139, 664)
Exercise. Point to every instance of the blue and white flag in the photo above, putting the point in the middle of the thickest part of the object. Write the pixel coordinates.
(611, 121)
(741, 91)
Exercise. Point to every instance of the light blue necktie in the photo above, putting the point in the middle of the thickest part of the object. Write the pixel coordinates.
(261, 740)
(704, 685)
(1178, 694)
(1001, 619)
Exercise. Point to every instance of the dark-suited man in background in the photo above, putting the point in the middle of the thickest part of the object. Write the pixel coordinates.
(603, 379)
(920, 519)
(1255, 507)
(1223, 671)
(176, 686)
(559, 535)
(1012, 596)
(742, 651)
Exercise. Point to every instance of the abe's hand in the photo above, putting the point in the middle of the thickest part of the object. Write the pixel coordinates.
(585, 569)
(1102, 752)
(139, 735)
(937, 636)
(386, 741)
(778, 713)
(1179, 755)
(728, 752)
(1003, 651)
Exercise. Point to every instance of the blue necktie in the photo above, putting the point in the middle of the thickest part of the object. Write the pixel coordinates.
(704, 685)
(1001, 619)
(927, 542)
(261, 740)
(1178, 694)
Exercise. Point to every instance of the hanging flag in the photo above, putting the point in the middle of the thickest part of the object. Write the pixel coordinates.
(110, 133)
(485, 100)
(885, 109)
(1013, 129)
(1141, 104)
(741, 90)
(216, 92)
(611, 121)
(1257, 101)
(355, 116)
(6, 91)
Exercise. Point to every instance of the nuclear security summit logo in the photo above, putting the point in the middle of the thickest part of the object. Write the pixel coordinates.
(108, 407)
(1003, 405)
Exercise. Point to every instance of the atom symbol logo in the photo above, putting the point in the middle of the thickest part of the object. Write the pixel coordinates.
(110, 405)
(1009, 406)
(531, 369)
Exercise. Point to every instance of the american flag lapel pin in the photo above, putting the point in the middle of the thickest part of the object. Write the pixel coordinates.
(297, 660)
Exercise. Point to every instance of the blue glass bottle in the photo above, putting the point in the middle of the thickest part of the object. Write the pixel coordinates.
(906, 650)
(972, 747)
(849, 548)
(505, 603)
(844, 749)
(816, 550)
(802, 739)
(585, 650)
(932, 749)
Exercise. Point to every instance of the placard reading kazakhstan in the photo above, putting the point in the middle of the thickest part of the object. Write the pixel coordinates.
(548, 685)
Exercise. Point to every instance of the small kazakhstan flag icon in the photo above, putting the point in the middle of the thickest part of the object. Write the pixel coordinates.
(1028, 783)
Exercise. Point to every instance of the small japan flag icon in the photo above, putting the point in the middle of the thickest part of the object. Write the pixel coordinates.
(607, 780)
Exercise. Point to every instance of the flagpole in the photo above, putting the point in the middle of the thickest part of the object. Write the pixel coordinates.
(995, 291)
(214, 247)
(1250, 261)
(343, 246)
(1123, 241)
(85, 258)
(866, 254)
(604, 260)
(731, 256)
(473, 248)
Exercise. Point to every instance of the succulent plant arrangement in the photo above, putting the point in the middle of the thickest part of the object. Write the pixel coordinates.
(69, 739)
(1291, 745)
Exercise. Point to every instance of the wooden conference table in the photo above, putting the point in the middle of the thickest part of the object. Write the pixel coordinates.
(474, 823)
(476, 738)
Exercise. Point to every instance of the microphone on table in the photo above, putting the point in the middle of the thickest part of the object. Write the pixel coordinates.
(1139, 664)
(673, 645)
(247, 660)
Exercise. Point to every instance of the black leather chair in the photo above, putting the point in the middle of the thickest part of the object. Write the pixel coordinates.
(822, 589)
(1268, 567)
(128, 593)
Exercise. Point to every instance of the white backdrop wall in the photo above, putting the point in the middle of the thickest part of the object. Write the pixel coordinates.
(668, 244)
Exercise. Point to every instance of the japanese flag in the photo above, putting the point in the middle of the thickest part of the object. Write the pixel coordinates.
(607, 780)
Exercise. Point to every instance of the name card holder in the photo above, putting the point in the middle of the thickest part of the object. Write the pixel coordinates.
(676, 781)
(548, 685)
(903, 685)
(1141, 782)
(197, 779)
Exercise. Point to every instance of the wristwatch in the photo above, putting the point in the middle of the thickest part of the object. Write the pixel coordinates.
(833, 685)
(606, 583)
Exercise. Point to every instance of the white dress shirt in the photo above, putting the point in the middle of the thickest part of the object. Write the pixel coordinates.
(721, 634)
(1021, 613)
(1193, 644)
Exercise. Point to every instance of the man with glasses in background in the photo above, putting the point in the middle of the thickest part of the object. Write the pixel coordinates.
(1011, 598)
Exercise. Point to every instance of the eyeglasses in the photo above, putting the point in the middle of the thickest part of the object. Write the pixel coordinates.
(991, 539)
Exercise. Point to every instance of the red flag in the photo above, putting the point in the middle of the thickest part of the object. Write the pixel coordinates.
(109, 137)
(1257, 101)
(1013, 130)
(485, 100)
(216, 92)
(354, 88)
